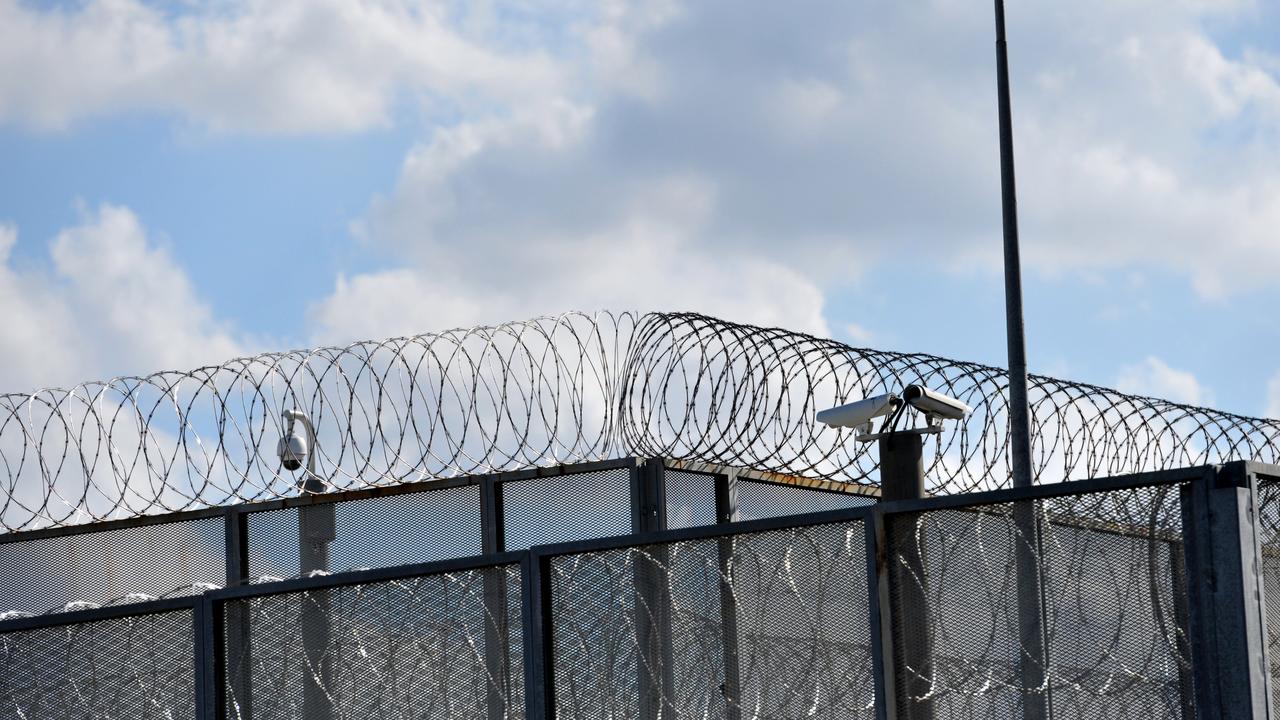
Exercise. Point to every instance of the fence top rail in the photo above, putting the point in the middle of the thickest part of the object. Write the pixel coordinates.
(365, 576)
(864, 512)
(1266, 471)
(309, 499)
(105, 612)
(1055, 490)
(705, 532)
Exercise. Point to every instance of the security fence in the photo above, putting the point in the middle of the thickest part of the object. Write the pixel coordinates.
(654, 590)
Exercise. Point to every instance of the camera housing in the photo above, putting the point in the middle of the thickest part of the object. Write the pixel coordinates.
(860, 413)
(935, 407)
(935, 404)
(293, 450)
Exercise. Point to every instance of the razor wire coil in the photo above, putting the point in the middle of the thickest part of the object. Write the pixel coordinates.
(556, 390)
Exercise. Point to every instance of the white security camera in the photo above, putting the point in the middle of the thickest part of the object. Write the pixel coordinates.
(861, 413)
(292, 450)
(935, 404)
(293, 447)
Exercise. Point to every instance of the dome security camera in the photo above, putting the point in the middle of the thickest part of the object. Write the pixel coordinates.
(292, 450)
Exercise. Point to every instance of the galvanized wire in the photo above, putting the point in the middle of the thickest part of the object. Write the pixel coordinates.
(551, 391)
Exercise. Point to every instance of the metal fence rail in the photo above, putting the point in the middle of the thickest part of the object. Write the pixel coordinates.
(551, 391)
(1152, 605)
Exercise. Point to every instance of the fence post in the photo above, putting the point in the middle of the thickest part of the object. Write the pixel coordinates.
(235, 657)
(727, 512)
(208, 659)
(652, 593)
(1224, 579)
(316, 530)
(909, 629)
(539, 643)
(496, 651)
(879, 614)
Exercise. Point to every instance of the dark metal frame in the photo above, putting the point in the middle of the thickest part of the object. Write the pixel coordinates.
(1225, 614)
(216, 602)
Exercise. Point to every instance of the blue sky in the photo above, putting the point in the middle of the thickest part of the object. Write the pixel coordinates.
(183, 183)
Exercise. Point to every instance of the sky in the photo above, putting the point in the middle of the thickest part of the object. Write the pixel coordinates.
(182, 183)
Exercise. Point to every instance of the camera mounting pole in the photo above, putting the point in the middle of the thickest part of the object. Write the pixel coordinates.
(902, 478)
(901, 465)
(315, 532)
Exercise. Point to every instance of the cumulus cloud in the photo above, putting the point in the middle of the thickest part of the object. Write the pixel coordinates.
(645, 257)
(808, 145)
(691, 155)
(257, 65)
(110, 301)
(1154, 377)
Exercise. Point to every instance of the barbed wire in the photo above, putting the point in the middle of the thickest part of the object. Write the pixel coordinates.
(549, 391)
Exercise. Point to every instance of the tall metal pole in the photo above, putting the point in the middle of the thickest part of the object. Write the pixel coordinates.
(1033, 658)
(1019, 416)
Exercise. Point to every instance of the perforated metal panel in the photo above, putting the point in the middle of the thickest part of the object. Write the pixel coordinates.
(566, 507)
(415, 649)
(1114, 608)
(375, 532)
(691, 499)
(765, 500)
(133, 668)
(102, 567)
(1269, 530)
(764, 625)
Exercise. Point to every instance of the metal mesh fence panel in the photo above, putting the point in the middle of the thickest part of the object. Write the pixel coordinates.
(135, 563)
(434, 646)
(691, 499)
(566, 507)
(761, 625)
(1113, 608)
(374, 532)
(1269, 529)
(765, 500)
(130, 668)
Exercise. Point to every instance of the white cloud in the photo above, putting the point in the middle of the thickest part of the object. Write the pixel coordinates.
(110, 302)
(858, 333)
(256, 65)
(691, 155)
(805, 145)
(1154, 377)
(646, 260)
